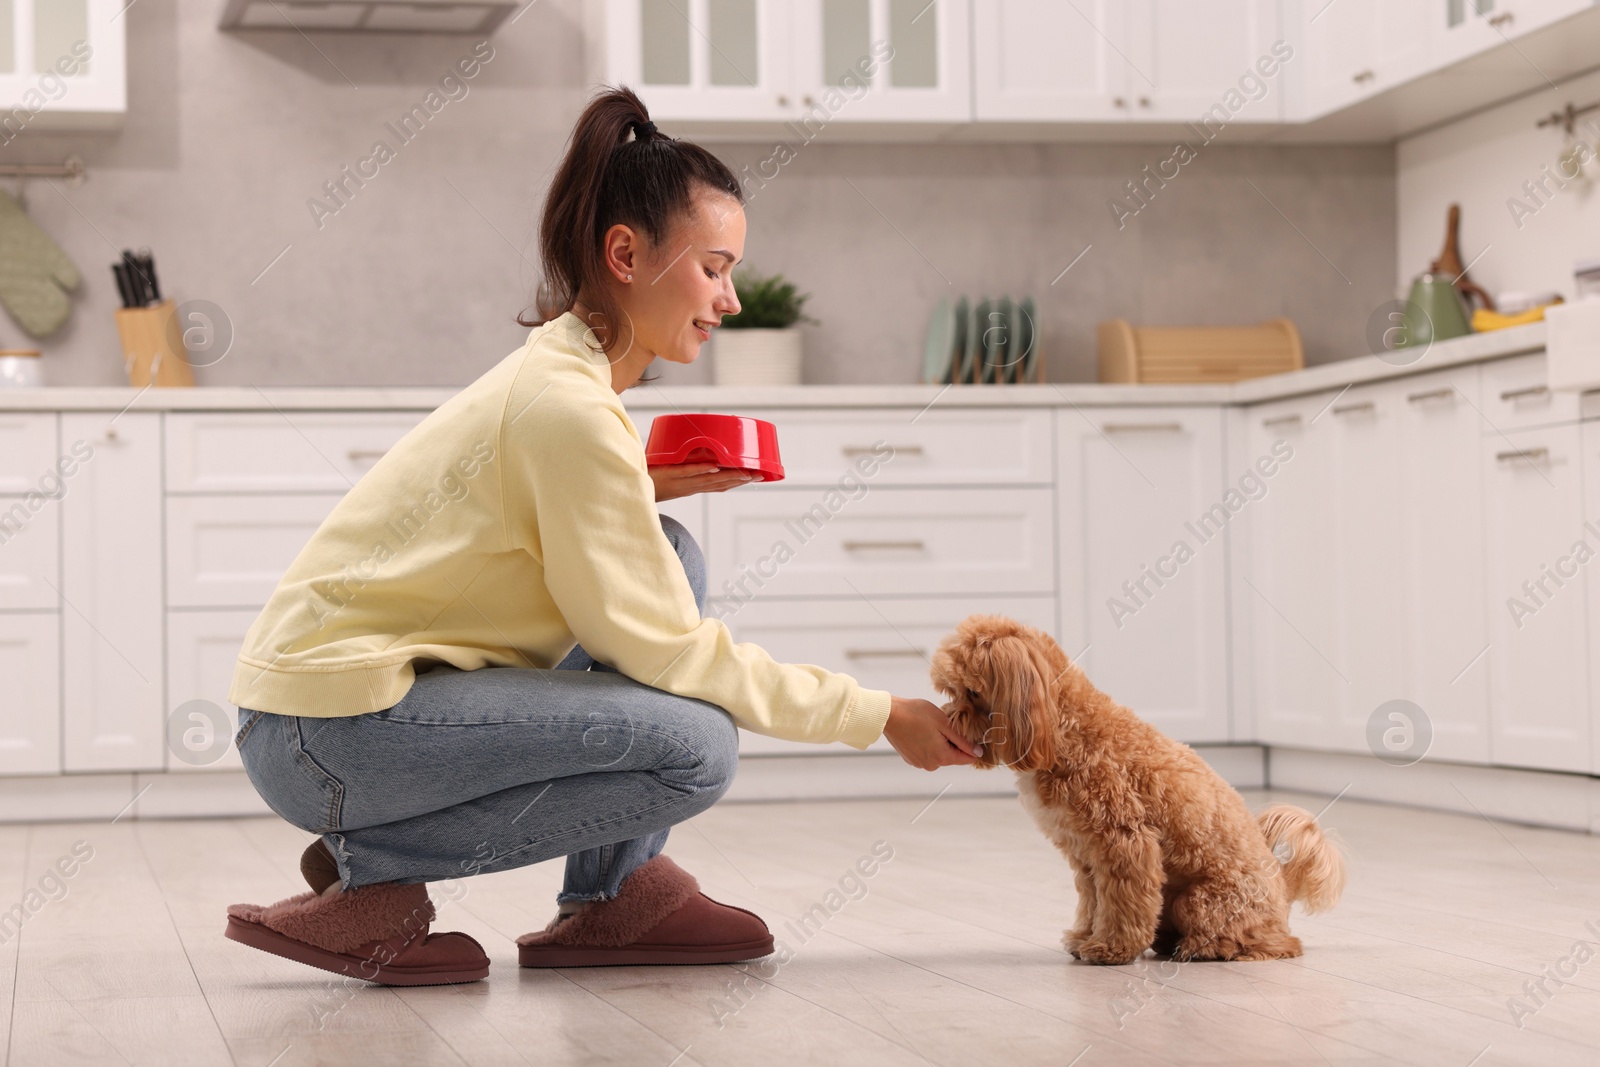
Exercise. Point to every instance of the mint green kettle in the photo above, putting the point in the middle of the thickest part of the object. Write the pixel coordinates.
(1434, 312)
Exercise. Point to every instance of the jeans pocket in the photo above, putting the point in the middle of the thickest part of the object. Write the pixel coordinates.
(292, 783)
(247, 720)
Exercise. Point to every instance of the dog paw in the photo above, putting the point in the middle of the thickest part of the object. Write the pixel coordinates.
(1071, 939)
(1191, 950)
(1106, 955)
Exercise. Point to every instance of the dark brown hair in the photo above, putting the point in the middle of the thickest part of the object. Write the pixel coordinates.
(647, 181)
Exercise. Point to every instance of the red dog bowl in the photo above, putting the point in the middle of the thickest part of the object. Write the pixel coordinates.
(726, 440)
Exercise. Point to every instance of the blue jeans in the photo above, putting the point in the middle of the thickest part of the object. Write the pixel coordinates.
(486, 770)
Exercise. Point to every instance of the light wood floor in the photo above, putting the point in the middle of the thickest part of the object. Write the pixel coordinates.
(950, 957)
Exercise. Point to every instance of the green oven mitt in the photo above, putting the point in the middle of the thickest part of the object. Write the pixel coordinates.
(35, 275)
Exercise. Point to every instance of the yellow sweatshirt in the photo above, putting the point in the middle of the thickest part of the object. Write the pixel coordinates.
(516, 520)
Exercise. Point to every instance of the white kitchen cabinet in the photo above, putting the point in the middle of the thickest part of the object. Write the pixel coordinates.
(809, 61)
(1120, 60)
(1042, 60)
(1360, 431)
(1517, 396)
(1288, 583)
(230, 551)
(997, 446)
(703, 59)
(926, 75)
(1365, 574)
(272, 452)
(1440, 529)
(30, 714)
(1143, 593)
(1356, 48)
(1188, 58)
(63, 65)
(30, 560)
(884, 643)
(1463, 28)
(1590, 440)
(1540, 713)
(111, 589)
(777, 542)
(27, 452)
(202, 649)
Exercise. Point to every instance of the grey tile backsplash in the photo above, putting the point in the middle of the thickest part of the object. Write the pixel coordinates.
(418, 276)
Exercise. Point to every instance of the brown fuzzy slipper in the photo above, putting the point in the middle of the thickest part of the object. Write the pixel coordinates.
(375, 932)
(658, 916)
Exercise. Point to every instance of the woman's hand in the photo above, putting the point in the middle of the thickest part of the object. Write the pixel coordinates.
(689, 478)
(924, 737)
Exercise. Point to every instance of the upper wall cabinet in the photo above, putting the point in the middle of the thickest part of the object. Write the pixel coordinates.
(1358, 50)
(912, 57)
(1297, 70)
(63, 65)
(1459, 29)
(808, 61)
(1354, 48)
(1037, 60)
(1122, 60)
(703, 59)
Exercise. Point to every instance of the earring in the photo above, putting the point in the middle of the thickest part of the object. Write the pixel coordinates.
(630, 277)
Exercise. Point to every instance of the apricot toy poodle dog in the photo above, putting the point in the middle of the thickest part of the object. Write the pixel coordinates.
(1165, 853)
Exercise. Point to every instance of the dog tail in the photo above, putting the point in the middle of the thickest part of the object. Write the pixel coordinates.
(1312, 864)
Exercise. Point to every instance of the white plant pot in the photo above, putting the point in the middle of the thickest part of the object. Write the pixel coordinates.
(757, 357)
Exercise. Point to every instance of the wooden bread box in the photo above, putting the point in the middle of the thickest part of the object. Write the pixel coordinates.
(1187, 354)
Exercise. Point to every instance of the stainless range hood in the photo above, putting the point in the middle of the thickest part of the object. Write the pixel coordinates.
(373, 16)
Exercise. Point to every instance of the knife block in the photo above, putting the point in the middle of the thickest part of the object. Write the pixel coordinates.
(152, 346)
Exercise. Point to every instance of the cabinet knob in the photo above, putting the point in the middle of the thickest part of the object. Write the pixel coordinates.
(111, 433)
(810, 101)
(1144, 101)
(1117, 101)
(783, 100)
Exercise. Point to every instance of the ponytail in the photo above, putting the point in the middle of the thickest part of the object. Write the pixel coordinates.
(618, 169)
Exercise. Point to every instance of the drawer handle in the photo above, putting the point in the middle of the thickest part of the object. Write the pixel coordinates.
(1282, 420)
(899, 450)
(851, 546)
(1361, 77)
(1530, 454)
(1532, 390)
(1502, 19)
(1448, 392)
(876, 653)
(1354, 409)
(358, 454)
(1143, 427)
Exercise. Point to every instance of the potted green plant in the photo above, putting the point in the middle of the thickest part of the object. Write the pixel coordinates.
(761, 345)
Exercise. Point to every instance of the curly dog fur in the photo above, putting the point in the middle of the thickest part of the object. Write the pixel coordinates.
(1165, 853)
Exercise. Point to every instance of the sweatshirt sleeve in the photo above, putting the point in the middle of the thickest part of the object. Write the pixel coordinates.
(578, 497)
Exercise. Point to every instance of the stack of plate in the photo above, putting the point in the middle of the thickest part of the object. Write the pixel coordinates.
(982, 342)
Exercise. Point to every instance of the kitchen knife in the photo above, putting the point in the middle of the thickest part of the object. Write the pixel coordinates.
(123, 288)
(138, 278)
(149, 262)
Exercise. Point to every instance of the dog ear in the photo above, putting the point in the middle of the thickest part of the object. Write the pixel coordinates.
(1019, 697)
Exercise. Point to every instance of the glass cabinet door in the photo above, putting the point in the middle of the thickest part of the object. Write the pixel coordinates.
(703, 59)
(62, 64)
(881, 60)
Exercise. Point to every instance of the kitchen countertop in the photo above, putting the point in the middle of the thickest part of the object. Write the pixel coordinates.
(1475, 348)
